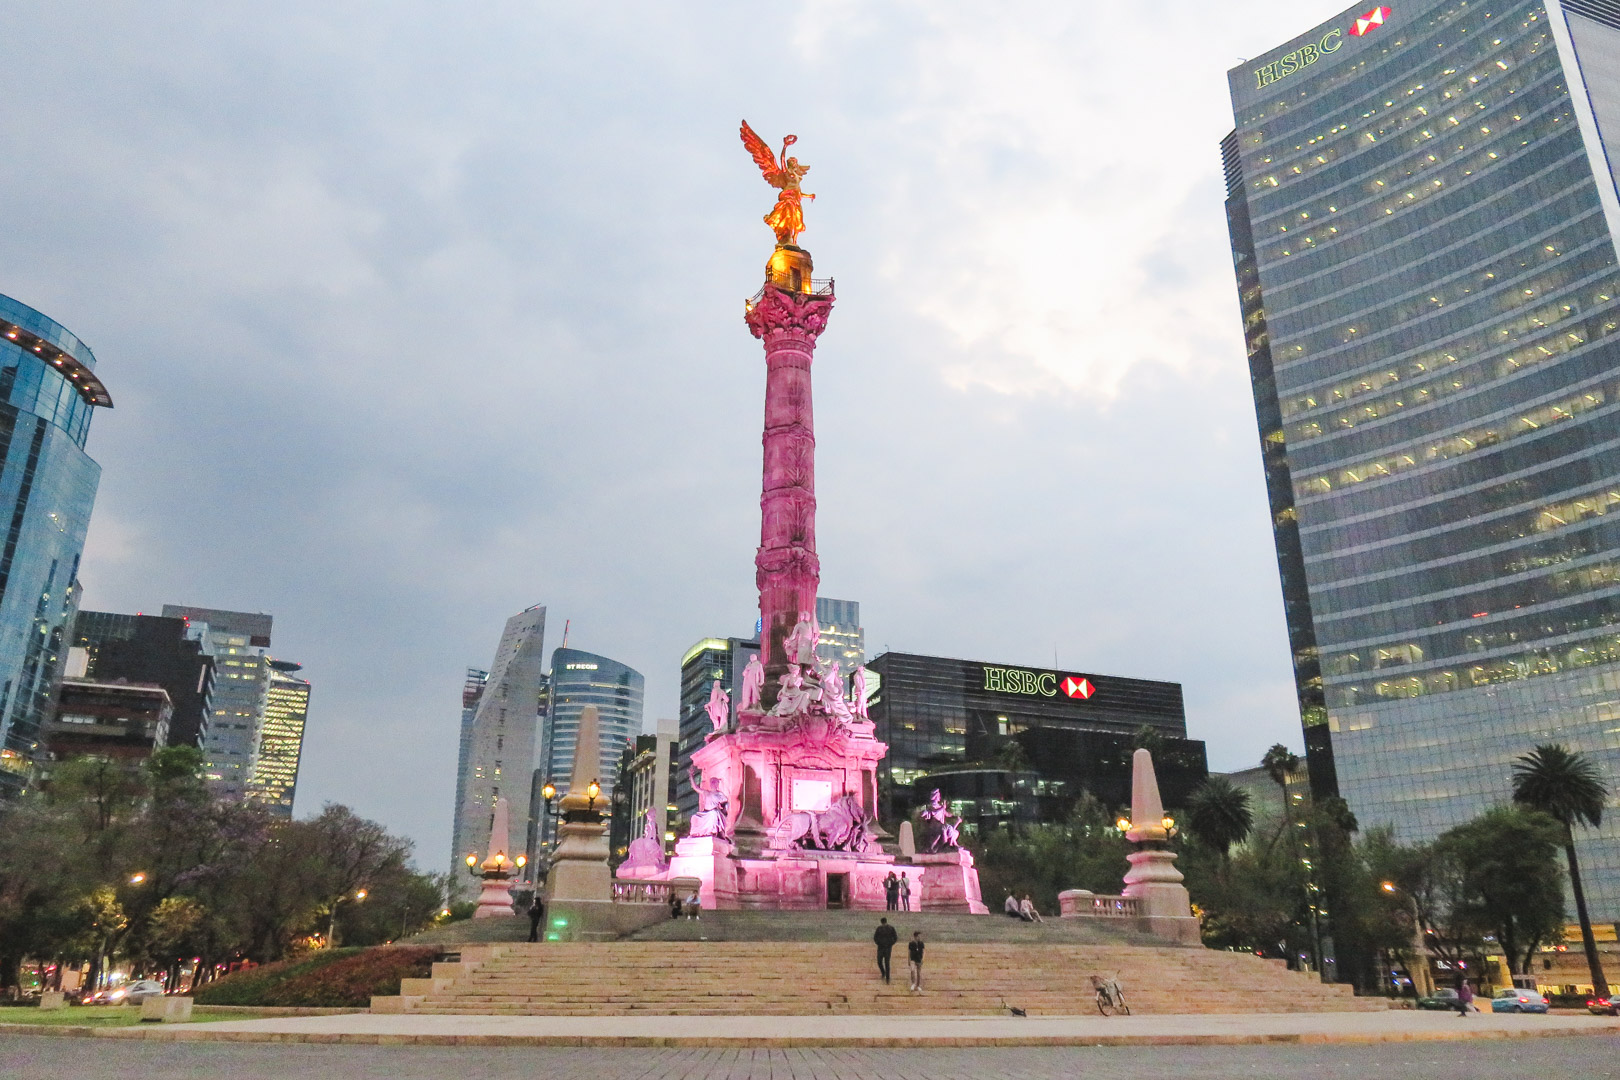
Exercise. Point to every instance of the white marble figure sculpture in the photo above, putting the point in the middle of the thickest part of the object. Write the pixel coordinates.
(794, 697)
(648, 850)
(718, 708)
(859, 705)
(753, 684)
(800, 645)
(943, 834)
(832, 694)
(713, 807)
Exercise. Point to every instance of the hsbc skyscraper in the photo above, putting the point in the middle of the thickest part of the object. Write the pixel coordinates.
(1423, 211)
(948, 723)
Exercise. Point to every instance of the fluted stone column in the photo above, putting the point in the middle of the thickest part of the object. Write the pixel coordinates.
(787, 570)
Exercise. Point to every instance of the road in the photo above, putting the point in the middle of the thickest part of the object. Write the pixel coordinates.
(39, 1058)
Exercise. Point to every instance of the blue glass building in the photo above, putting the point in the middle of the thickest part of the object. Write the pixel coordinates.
(1423, 216)
(48, 389)
(579, 679)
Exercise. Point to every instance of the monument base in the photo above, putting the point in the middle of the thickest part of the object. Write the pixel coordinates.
(950, 882)
(579, 870)
(494, 899)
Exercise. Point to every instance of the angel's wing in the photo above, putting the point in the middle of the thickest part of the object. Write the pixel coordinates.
(762, 153)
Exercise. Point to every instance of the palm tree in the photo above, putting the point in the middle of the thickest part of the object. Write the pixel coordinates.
(1280, 763)
(1568, 787)
(1218, 814)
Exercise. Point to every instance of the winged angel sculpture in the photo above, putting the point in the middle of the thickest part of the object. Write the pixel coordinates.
(786, 218)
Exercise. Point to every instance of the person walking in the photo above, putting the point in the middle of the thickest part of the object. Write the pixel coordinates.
(537, 913)
(891, 891)
(884, 937)
(905, 892)
(1465, 998)
(914, 954)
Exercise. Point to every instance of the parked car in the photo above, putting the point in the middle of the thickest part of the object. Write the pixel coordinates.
(1603, 1006)
(133, 993)
(1443, 998)
(1516, 999)
(141, 989)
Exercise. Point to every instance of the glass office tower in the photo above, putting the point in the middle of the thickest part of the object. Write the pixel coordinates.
(237, 641)
(274, 783)
(48, 389)
(579, 679)
(1423, 216)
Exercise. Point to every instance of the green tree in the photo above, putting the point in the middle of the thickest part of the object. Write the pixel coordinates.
(1510, 880)
(1567, 787)
(1084, 852)
(1219, 815)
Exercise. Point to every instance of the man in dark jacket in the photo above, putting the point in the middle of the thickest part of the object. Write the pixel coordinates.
(537, 912)
(885, 937)
(914, 949)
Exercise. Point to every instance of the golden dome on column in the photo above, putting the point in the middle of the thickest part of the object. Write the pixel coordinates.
(789, 269)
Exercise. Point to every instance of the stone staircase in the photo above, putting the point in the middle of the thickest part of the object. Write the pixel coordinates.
(974, 965)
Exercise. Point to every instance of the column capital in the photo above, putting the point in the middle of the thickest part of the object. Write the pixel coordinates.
(776, 313)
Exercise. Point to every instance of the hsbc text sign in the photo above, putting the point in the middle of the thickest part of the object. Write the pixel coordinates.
(1005, 680)
(1309, 53)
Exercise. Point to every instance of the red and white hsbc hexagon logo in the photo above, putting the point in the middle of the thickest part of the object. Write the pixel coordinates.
(1366, 24)
(1077, 687)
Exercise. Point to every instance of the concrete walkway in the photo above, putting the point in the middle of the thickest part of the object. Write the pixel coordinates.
(775, 1032)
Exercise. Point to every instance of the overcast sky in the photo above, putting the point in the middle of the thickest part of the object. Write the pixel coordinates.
(419, 314)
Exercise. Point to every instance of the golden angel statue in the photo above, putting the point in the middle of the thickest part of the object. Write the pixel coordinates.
(786, 218)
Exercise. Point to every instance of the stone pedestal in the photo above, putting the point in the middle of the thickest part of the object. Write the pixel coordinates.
(579, 869)
(164, 1009)
(949, 883)
(494, 898)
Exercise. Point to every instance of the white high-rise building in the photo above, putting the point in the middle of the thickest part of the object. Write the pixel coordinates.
(500, 743)
(238, 642)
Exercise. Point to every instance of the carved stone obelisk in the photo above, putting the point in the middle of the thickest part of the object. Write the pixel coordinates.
(579, 869)
(788, 315)
(1153, 879)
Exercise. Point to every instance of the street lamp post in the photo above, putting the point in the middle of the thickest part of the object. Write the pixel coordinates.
(331, 922)
(1422, 981)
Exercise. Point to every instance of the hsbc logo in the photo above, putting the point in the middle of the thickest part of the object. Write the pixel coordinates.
(1366, 24)
(1002, 680)
(1078, 688)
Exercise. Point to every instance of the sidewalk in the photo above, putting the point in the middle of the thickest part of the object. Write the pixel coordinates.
(775, 1032)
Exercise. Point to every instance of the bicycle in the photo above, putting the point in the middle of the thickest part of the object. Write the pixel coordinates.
(1109, 996)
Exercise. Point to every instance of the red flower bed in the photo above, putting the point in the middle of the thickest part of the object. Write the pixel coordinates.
(347, 980)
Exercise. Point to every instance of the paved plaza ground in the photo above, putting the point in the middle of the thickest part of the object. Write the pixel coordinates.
(27, 1057)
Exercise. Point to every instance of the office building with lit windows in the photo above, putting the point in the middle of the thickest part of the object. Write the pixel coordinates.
(842, 637)
(949, 724)
(237, 641)
(710, 659)
(281, 739)
(1423, 216)
(48, 389)
(500, 743)
(617, 690)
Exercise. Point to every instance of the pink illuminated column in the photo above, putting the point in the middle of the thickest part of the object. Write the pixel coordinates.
(786, 568)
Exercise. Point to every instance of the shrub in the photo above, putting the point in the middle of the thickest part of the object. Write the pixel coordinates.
(333, 978)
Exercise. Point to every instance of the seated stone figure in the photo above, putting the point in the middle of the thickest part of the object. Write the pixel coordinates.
(713, 808)
(648, 849)
(794, 697)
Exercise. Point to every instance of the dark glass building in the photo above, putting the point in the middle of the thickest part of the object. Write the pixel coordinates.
(949, 724)
(152, 649)
(48, 389)
(617, 690)
(708, 660)
(1423, 214)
